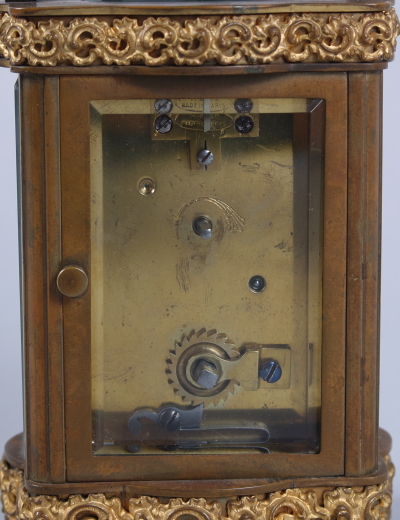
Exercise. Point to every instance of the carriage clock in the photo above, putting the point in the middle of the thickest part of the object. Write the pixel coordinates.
(200, 234)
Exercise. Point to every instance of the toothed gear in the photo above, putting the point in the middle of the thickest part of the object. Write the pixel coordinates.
(193, 344)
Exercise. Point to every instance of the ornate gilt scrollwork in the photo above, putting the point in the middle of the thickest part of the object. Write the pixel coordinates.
(291, 504)
(147, 508)
(373, 503)
(369, 503)
(223, 40)
(11, 484)
(391, 471)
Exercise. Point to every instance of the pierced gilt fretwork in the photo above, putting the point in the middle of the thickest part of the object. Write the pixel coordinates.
(369, 503)
(223, 40)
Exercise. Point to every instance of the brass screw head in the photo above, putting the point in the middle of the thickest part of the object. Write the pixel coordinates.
(147, 186)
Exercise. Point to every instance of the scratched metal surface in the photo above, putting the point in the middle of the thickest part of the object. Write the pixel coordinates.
(154, 280)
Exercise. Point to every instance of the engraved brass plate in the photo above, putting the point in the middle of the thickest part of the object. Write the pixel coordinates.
(178, 337)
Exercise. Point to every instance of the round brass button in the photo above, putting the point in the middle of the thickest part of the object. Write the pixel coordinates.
(72, 281)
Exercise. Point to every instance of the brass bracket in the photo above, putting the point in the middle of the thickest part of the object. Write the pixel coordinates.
(245, 369)
(204, 122)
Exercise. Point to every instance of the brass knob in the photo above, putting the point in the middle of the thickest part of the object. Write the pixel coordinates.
(72, 281)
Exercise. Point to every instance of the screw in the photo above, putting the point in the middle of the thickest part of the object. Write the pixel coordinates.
(163, 106)
(147, 186)
(205, 157)
(271, 372)
(257, 283)
(243, 106)
(244, 124)
(202, 226)
(205, 374)
(163, 124)
(170, 420)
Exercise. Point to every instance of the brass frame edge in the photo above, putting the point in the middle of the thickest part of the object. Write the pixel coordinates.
(205, 70)
(188, 7)
(211, 488)
(311, 503)
(212, 40)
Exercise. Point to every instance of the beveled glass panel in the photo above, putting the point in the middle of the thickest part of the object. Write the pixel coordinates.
(206, 275)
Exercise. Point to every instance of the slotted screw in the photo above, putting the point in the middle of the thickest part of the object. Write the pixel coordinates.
(163, 106)
(170, 420)
(205, 157)
(163, 124)
(271, 372)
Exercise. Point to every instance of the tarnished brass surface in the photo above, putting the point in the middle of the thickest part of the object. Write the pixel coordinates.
(81, 380)
(224, 40)
(161, 294)
(205, 70)
(368, 503)
(72, 281)
(75, 314)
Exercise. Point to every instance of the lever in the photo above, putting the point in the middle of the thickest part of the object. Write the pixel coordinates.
(170, 418)
(171, 427)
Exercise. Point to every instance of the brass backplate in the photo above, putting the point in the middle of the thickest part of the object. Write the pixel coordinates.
(154, 280)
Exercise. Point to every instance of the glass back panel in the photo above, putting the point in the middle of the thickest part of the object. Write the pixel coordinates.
(206, 275)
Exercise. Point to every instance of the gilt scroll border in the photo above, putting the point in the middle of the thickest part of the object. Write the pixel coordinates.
(368, 503)
(208, 40)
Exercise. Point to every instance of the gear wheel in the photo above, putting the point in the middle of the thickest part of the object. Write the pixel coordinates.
(193, 345)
